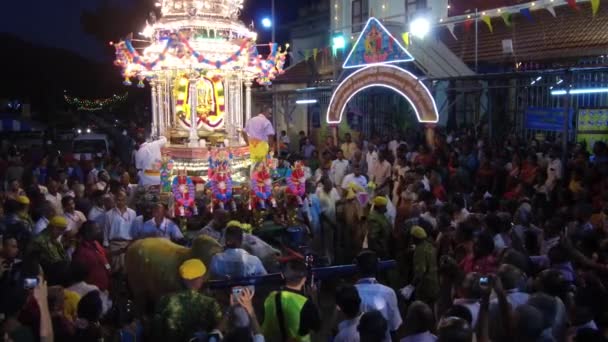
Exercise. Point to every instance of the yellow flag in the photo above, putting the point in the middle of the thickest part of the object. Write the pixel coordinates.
(406, 38)
(595, 5)
(315, 52)
(486, 19)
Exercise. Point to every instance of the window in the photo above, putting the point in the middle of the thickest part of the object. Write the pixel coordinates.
(360, 13)
(412, 6)
(420, 4)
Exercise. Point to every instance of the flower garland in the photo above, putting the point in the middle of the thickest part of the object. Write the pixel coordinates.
(260, 182)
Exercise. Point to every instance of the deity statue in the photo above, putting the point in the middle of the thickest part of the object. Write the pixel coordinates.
(296, 182)
(184, 193)
(220, 180)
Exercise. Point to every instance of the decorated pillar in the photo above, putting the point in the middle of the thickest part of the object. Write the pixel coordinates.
(160, 90)
(231, 124)
(193, 102)
(248, 85)
(154, 128)
(170, 101)
(239, 115)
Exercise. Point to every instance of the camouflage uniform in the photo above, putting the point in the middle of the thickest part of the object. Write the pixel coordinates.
(378, 231)
(50, 250)
(180, 315)
(425, 273)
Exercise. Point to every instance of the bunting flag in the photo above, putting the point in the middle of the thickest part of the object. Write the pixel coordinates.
(595, 5)
(506, 17)
(526, 13)
(406, 38)
(486, 19)
(315, 52)
(551, 10)
(467, 25)
(451, 27)
(573, 5)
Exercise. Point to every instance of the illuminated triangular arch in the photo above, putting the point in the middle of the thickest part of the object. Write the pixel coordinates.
(376, 45)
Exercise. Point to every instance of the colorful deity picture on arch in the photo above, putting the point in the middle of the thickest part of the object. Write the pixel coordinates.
(210, 107)
(376, 45)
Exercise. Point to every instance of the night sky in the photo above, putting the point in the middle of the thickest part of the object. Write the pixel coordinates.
(58, 23)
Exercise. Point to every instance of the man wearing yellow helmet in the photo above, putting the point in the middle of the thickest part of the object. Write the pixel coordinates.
(179, 316)
(378, 227)
(47, 246)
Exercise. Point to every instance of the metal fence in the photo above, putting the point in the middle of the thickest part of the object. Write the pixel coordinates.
(502, 100)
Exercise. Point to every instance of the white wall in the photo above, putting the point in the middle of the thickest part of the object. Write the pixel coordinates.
(394, 11)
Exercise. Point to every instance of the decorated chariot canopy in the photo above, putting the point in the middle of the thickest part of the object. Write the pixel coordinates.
(196, 35)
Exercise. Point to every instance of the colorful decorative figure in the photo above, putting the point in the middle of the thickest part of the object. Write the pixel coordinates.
(165, 176)
(184, 194)
(296, 182)
(220, 181)
(261, 186)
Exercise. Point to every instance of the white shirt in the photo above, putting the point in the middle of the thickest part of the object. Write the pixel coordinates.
(351, 178)
(149, 153)
(392, 146)
(375, 296)
(554, 171)
(372, 159)
(328, 202)
(75, 220)
(167, 229)
(41, 225)
(55, 202)
(338, 171)
(259, 127)
(97, 214)
(347, 330)
(117, 225)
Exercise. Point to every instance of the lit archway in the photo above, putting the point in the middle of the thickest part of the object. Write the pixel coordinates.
(388, 76)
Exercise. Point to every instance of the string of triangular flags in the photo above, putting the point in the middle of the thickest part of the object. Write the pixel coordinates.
(325, 52)
(506, 14)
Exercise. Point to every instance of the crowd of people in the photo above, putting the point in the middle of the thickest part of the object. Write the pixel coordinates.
(492, 241)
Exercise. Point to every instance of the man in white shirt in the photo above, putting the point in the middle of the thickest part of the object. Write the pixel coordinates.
(258, 133)
(159, 226)
(355, 178)
(375, 296)
(349, 303)
(554, 170)
(235, 262)
(147, 155)
(48, 212)
(54, 196)
(98, 211)
(338, 168)
(75, 218)
(371, 158)
(117, 231)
